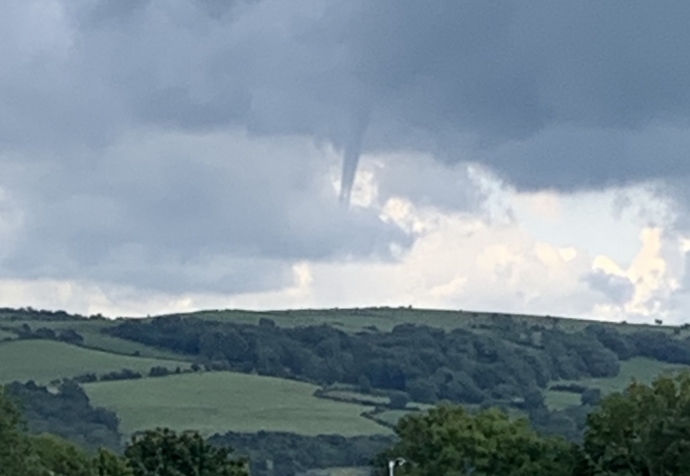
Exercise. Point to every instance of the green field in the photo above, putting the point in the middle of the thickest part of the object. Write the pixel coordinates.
(44, 361)
(94, 338)
(218, 402)
(557, 400)
(391, 417)
(385, 318)
(639, 368)
(99, 341)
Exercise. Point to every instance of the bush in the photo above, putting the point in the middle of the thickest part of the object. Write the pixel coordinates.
(399, 400)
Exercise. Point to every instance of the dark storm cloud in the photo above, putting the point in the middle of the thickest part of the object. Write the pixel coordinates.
(567, 90)
(549, 94)
(187, 213)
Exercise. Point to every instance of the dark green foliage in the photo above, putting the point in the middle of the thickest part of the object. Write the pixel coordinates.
(287, 454)
(124, 374)
(660, 346)
(447, 440)
(61, 457)
(159, 371)
(610, 338)
(68, 413)
(591, 397)
(70, 336)
(29, 313)
(107, 463)
(428, 364)
(15, 449)
(399, 400)
(163, 452)
(644, 430)
(570, 387)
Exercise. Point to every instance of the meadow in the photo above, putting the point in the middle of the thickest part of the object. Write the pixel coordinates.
(640, 369)
(94, 338)
(218, 402)
(386, 318)
(44, 360)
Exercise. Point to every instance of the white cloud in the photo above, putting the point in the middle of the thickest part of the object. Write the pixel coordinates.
(491, 258)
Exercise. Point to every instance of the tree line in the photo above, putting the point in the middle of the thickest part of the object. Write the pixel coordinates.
(642, 431)
(159, 452)
(512, 364)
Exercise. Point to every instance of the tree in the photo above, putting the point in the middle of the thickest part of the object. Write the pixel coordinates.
(107, 463)
(591, 397)
(399, 400)
(644, 430)
(14, 448)
(447, 440)
(162, 452)
(60, 457)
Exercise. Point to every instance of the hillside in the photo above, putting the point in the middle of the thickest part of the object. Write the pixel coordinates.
(346, 372)
(45, 360)
(216, 402)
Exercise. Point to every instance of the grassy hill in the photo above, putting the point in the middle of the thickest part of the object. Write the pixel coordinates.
(218, 402)
(235, 401)
(355, 361)
(386, 318)
(91, 331)
(640, 369)
(43, 361)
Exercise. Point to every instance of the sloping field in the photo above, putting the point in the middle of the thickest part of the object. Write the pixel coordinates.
(639, 368)
(94, 338)
(45, 360)
(217, 402)
(99, 341)
(385, 318)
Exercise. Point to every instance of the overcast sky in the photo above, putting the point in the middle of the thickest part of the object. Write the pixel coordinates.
(171, 155)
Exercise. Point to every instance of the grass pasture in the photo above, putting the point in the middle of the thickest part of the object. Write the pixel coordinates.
(217, 402)
(94, 338)
(45, 360)
(391, 417)
(639, 368)
(99, 341)
(558, 400)
(385, 318)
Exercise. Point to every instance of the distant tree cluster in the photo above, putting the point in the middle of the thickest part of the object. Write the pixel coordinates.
(288, 454)
(126, 374)
(643, 431)
(69, 336)
(428, 364)
(67, 413)
(29, 313)
(159, 452)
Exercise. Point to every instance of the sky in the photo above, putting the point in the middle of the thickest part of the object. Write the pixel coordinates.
(164, 156)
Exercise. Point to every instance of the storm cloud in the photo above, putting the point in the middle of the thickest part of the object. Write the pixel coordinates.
(125, 125)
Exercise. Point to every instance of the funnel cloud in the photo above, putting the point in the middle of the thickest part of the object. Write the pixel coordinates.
(177, 144)
(352, 152)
